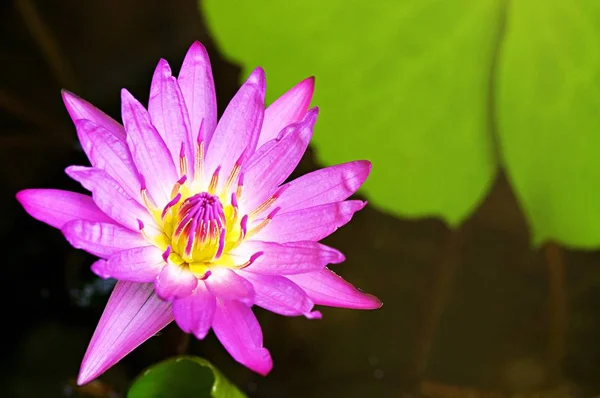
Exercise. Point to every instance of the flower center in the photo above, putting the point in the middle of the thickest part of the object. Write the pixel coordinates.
(199, 228)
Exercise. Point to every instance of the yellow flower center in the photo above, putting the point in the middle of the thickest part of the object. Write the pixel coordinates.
(198, 228)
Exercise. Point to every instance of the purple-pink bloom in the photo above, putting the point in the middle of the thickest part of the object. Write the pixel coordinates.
(193, 218)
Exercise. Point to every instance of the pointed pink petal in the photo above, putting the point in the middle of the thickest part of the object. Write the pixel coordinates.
(169, 114)
(198, 89)
(175, 281)
(110, 197)
(280, 295)
(271, 165)
(314, 223)
(239, 127)
(328, 185)
(110, 154)
(101, 239)
(327, 288)
(140, 264)
(56, 207)
(287, 109)
(228, 285)
(132, 315)
(79, 108)
(195, 313)
(238, 330)
(150, 153)
(287, 258)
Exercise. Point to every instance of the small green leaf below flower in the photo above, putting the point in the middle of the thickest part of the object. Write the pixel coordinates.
(183, 377)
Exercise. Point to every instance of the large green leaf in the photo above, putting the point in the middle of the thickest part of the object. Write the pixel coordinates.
(403, 83)
(183, 377)
(549, 116)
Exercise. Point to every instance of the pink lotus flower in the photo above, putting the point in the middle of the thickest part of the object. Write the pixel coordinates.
(191, 216)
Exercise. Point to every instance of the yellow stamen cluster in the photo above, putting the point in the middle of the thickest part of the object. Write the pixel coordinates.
(198, 227)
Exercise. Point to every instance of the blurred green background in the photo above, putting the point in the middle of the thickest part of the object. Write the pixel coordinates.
(480, 118)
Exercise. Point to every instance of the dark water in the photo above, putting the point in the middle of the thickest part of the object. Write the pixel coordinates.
(468, 313)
